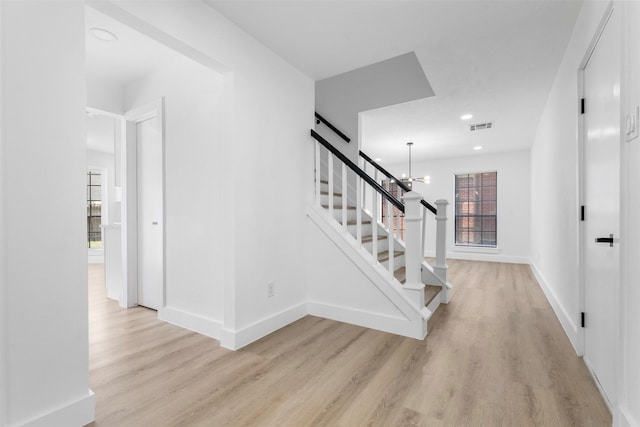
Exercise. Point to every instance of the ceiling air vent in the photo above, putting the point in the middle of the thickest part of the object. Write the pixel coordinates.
(480, 126)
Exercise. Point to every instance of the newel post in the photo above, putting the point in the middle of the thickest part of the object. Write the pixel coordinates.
(440, 268)
(413, 256)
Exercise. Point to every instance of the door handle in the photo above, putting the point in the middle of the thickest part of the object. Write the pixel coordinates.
(608, 240)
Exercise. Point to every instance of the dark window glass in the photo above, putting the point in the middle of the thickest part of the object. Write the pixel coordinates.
(476, 209)
(94, 209)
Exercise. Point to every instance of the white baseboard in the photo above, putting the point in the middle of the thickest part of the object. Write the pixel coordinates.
(393, 325)
(476, 256)
(625, 419)
(78, 413)
(193, 322)
(234, 340)
(568, 324)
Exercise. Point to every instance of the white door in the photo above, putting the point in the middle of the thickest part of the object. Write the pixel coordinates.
(602, 206)
(149, 187)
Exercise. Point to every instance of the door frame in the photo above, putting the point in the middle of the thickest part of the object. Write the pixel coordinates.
(581, 333)
(130, 200)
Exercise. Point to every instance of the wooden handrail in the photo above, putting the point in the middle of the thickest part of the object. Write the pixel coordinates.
(397, 181)
(362, 174)
(319, 119)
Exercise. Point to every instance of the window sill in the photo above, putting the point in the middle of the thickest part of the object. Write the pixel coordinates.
(476, 249)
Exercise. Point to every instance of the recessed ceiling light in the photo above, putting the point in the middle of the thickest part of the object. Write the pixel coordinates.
(103, 34)
(477, 147)
(466, 116)
(377, 160)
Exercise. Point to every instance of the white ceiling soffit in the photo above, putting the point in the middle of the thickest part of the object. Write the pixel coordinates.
(129, 58)
(101, 133)
(493, 59)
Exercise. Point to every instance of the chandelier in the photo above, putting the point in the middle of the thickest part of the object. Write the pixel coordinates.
(410, 179)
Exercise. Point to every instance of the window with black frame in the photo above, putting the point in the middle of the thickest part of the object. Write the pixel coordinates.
(394, 215)
(94, 209)
(476, 209)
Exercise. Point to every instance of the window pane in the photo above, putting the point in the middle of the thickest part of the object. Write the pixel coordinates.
(96, 192)
(476, 208)
(489, 224)
(488, 239)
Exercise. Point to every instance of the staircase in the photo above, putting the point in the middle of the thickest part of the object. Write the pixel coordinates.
(347, 208)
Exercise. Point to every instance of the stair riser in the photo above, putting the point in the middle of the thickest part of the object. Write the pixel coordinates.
(352, 214)
(382, 246)
(366, 229)
(337, 200)
(397, 262)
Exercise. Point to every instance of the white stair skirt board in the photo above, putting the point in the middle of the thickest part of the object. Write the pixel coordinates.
(78, 413)
(193, 322)
(409, 321)
(380, 322)
(625, 419)
(235, 340)
(569, 326)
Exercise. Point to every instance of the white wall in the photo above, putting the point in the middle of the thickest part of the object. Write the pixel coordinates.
(513, 215)
(45, 377)
(554, 182)
(194, 200)
(105, 95)
(267, 161)
(341, 98)
(630, 295)
(554, 179)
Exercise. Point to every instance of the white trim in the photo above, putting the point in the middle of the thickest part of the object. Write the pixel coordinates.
(193, 322)
(129, 296)
(488, 257)
(367, 319)
(475, 249)
(616, 391)
(569, 326)
(77, 413)
(625, 419)
(235, 340)
(4, 392)
(376, 273)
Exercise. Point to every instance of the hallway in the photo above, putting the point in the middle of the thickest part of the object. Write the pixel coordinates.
(495, 356)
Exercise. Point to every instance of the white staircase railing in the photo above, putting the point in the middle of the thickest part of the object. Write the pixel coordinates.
(357, 210)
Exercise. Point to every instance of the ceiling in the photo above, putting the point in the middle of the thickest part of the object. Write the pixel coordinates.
(493, 59)
(120, 62)
(129, 58)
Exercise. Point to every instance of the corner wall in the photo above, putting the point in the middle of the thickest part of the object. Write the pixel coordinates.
(630, 291)
(194, 197)
(45, 378)
(554, 181)
(267, 163)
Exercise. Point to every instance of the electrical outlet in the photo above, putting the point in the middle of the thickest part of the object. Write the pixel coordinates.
(271, 290)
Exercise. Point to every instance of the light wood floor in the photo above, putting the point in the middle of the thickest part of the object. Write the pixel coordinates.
(495, 356)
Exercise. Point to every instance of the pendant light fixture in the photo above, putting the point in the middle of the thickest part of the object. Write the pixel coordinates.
(409, 180)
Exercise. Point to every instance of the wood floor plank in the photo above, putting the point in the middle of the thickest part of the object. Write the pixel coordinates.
(496, 355)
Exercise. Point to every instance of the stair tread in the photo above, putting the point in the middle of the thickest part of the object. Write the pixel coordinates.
(326, 193)
(430, 291)
(384, 255)
(336, 206)
(354, 222)
(369, 238)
